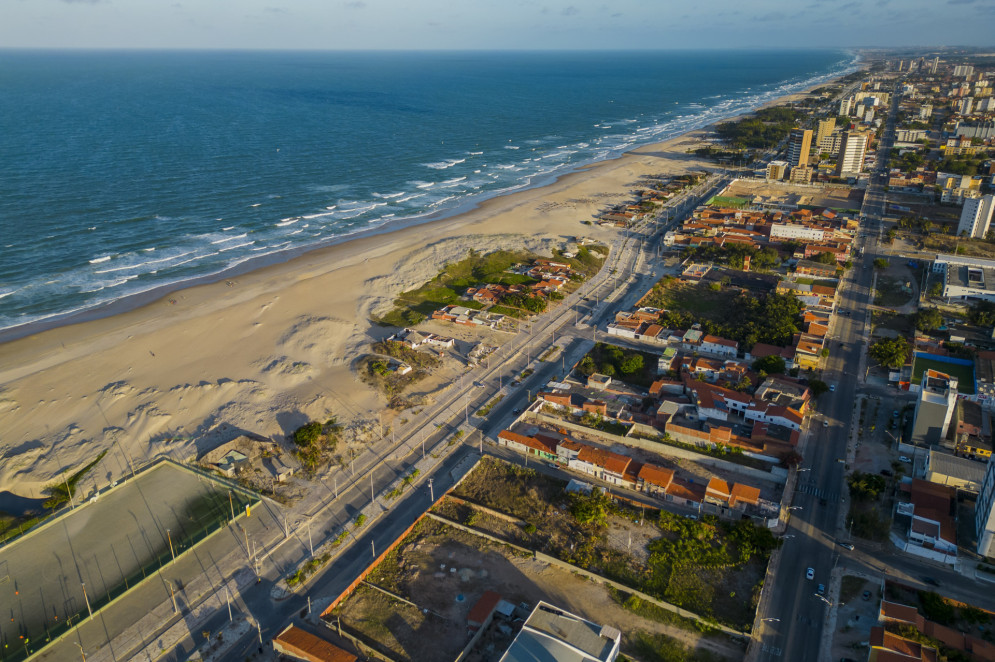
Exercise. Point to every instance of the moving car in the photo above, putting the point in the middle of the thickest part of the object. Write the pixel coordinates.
(810, 573)
(832, 387)
(928, 580)
(846, 545)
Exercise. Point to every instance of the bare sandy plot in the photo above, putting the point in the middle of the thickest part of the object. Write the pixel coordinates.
(105, 547)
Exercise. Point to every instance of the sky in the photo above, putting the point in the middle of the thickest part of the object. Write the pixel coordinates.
(493, 24)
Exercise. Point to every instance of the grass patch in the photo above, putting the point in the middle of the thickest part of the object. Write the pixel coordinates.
(650, 647)
(445, 289)
(889, 293)
(699, 299)
(963, 373)
(486, 409)
(310, 567)
(62, 492)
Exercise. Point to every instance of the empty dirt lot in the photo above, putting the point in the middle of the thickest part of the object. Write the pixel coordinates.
(444, 571)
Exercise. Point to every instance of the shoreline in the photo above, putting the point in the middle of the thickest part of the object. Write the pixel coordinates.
(136, 300)
(274, 346)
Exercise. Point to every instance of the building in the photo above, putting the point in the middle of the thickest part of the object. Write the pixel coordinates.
(926, 111)
(551, 633)
(965, 106)
(976, 216)
(943, 468)
(966, 278)
(852, 150)
(776, 170)
(933, 529)
(822, 134)
(298, 644)
(964, 70)
(934, 408)
(845, 106)
(984, 513)
(799, 142)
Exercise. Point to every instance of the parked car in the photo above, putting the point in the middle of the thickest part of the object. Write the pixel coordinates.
(866, 595)
(886, 472)
(810, 573)
(822, 589)
(931, 581)
(904, 458)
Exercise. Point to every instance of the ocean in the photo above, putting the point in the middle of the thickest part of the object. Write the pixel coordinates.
(126, 172)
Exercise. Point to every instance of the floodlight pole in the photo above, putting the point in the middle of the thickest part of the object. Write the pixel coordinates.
(170, 539)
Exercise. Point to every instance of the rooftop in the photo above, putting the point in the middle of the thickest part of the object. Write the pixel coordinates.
(554, 634)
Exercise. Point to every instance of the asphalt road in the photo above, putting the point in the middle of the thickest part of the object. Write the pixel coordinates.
(792, 625)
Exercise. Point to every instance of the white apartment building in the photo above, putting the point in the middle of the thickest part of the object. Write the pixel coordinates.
(976, 216)
(963, 70)
(909, 135)
(852, 150)
(791, 231)
(926, 111)
(965, 106)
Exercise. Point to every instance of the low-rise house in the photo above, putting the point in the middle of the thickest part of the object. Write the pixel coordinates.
(717, 346)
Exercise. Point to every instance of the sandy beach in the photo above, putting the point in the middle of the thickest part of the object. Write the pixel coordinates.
(265, 351)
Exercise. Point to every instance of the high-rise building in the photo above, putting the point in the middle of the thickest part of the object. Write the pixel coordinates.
(984, 513)
(901, 65)
(845, 105)
(852, 149)
(824, 131)
(965, 106)
(926, 111)
(963, 70)
(976, 216)
(934, 408)
(934, 65)
(799, 142)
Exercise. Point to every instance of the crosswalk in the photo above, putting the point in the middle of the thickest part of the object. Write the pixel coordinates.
(810, 488)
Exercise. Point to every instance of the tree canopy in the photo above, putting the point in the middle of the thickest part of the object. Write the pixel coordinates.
(771, 365)
(928, 319)
(890, 352)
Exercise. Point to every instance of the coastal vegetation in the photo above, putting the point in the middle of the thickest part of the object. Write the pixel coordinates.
(447, 287)
(450, 285)
(764, 129)
(315, 441)
(380, 369)
(64, 491)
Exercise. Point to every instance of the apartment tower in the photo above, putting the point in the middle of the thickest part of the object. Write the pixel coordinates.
(852, 150)
(799, 142)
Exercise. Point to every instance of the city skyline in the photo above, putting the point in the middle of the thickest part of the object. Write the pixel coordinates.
(526, 25)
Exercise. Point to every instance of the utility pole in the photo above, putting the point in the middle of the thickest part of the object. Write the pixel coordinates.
(170, 539)
(372, 495)
(431, 491)
(309, 543)
(374, 548)
(231, 504)
(228, 599)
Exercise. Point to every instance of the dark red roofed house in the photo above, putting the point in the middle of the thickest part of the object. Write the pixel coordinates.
(483, 611)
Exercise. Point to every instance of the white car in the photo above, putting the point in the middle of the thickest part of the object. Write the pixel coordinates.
(906, 459)
(810, 573)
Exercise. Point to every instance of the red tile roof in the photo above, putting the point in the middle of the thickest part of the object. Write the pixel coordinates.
(304, 645)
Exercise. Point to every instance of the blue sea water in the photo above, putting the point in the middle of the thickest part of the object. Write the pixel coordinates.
(122, 172)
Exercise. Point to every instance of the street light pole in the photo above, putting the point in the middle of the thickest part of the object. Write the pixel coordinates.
(431, 491)
(170, 539)
(86, 600)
